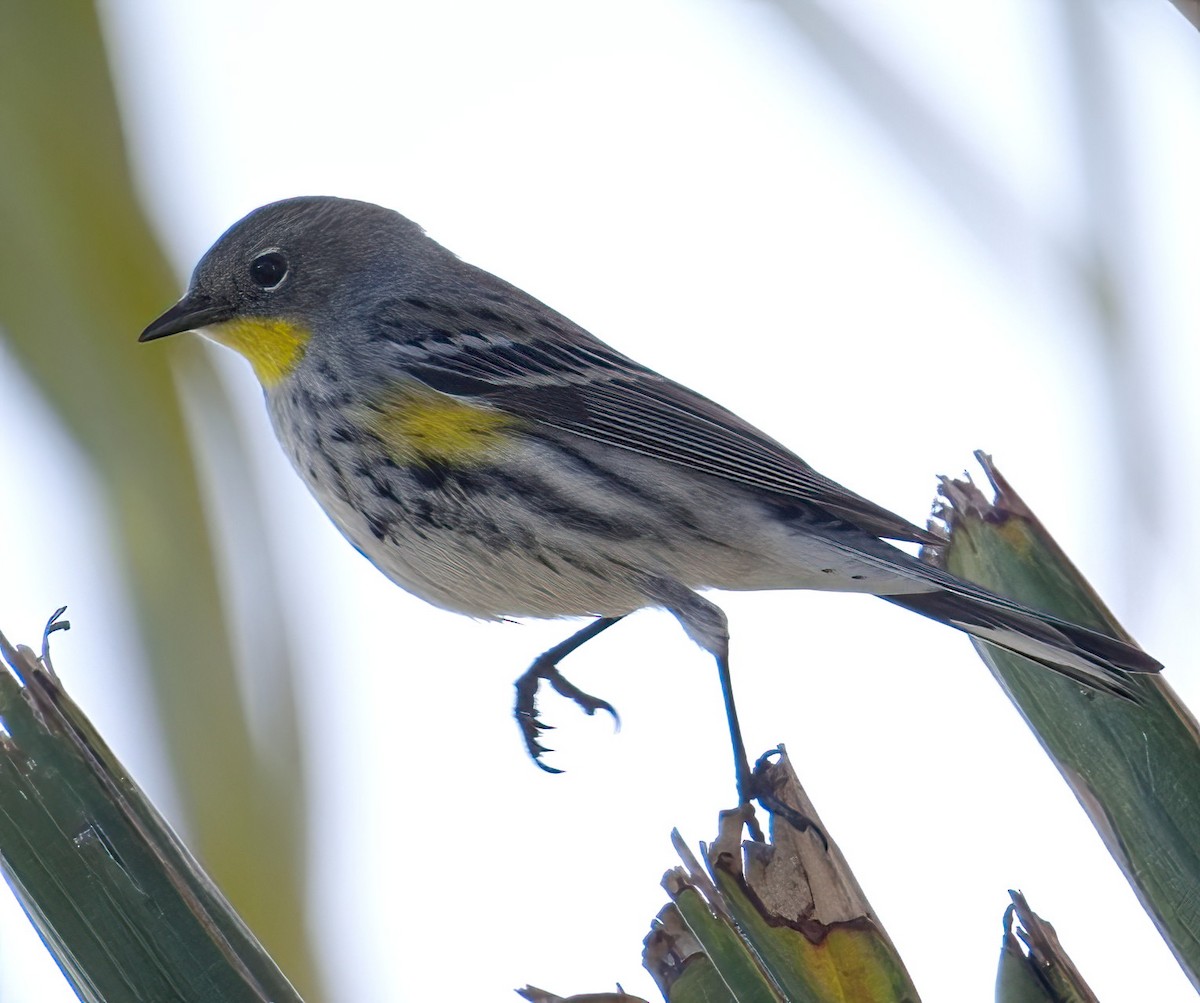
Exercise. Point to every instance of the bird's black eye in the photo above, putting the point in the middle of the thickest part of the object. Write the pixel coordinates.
(269, 269)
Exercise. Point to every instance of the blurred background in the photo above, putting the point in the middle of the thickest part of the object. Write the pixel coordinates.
(888, 234)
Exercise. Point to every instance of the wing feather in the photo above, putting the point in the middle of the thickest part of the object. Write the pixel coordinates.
(562, 377)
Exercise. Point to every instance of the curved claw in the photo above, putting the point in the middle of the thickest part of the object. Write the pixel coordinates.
(546, 667)
(536, 750)
(767, 758)
(586, 702)
(530, 724)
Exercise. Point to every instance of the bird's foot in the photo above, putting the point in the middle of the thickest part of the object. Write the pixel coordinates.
(525, 709)
(762, 793)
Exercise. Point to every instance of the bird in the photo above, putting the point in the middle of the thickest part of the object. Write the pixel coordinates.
(492, 457)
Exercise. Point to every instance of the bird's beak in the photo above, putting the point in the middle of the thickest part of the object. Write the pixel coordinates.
(192, 312)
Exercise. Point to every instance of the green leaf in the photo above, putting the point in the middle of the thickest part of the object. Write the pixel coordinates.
(1135, 768)
(127, 912)
(1033, 967)
(785, 920)
(675, 958)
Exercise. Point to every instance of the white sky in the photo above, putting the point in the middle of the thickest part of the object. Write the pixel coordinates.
(688, 182)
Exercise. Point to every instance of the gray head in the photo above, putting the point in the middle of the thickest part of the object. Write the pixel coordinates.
(300, 262)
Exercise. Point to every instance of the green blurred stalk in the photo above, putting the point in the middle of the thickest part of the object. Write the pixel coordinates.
(1135, 768)
(80, 275)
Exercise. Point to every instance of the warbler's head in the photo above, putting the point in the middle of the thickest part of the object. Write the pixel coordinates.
(279, 280)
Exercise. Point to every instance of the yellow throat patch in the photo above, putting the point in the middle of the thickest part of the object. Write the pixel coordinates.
(273, 347)
(417, 424)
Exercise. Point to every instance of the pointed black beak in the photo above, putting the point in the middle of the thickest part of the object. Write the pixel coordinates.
(192, 312)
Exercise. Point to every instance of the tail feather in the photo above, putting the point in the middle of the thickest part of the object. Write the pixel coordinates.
(1086, 656)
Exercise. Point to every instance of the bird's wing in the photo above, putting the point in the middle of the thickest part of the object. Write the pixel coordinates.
(551, 372)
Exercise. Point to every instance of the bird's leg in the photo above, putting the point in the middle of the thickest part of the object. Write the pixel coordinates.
(747, 779)
(545, 666)
(741, 762)
(707, 625)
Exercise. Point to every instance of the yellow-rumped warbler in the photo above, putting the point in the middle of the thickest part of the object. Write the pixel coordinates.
(495, 459)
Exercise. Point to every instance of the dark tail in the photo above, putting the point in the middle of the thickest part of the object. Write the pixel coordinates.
(1086, 656)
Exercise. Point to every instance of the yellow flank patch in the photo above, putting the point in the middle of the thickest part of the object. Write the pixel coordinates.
(273, 347)
(418, 424)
